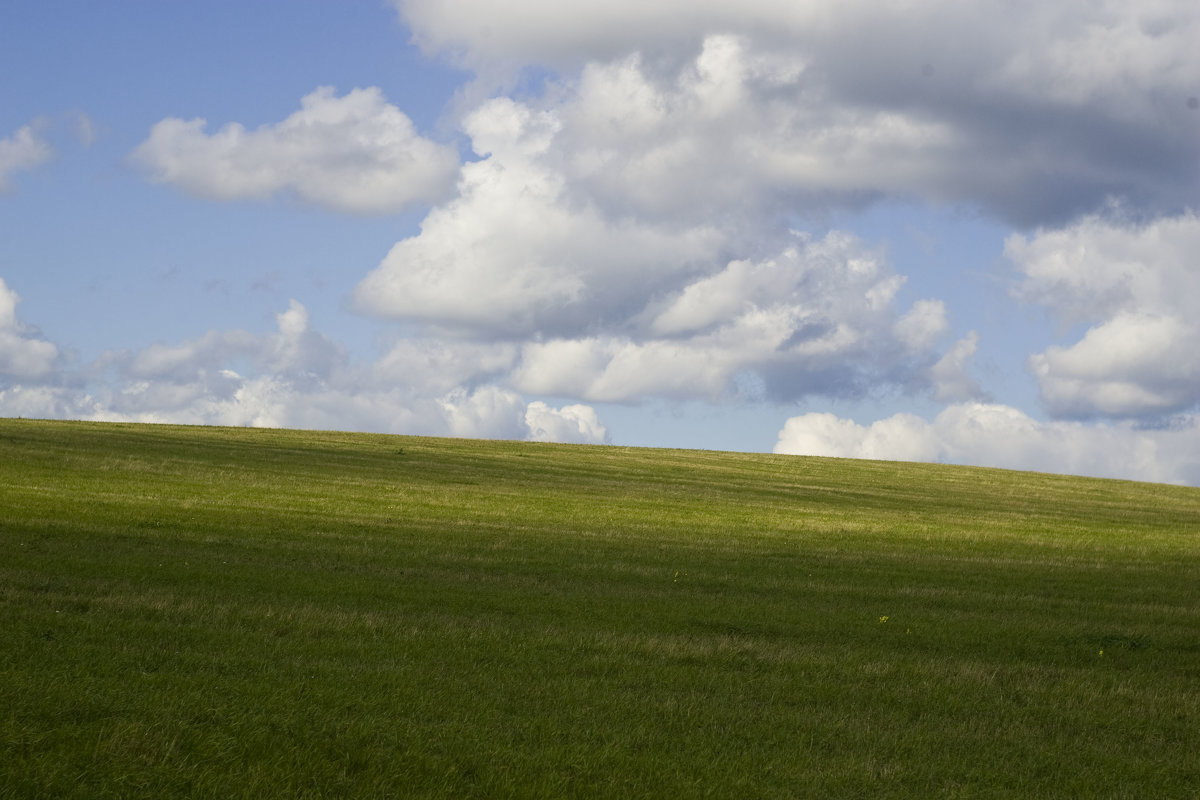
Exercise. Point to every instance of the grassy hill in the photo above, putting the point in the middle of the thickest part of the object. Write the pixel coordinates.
(201, 612)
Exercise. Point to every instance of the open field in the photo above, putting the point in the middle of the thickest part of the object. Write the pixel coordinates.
(200, 612)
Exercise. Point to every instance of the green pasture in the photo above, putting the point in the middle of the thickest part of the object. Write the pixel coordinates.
(243, 613)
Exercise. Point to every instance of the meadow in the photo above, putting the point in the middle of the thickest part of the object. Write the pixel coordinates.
(207, 612)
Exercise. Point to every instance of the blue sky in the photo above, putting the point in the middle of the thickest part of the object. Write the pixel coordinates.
(943, 231)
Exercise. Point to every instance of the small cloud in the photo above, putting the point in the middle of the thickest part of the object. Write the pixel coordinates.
(23, 356)
(950, 377)
(922, 325)
(354, 153)
(85, 129)
(24, 150)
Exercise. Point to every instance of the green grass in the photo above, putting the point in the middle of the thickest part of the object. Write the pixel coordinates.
(201, 612)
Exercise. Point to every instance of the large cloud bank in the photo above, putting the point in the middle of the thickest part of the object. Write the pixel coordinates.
(641, 215)
(624, 233)
(1033, 111)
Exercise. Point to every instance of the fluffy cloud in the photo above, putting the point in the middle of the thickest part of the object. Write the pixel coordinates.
(572, 423)
(742, 130)
(1002, 436)
(513, 256)
(294, 376)
(1036, 113)
(1134, 285)
(611, 292)
(24, 150)
(626, 231)
(23, 356)
(951, 377)
(354, 153)
(816, 318)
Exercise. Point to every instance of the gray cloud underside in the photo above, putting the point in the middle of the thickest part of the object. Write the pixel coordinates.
(1042, 111)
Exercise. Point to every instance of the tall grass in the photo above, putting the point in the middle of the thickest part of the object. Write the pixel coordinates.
(201, 612)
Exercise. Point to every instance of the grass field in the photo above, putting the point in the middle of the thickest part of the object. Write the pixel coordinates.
(202, 612)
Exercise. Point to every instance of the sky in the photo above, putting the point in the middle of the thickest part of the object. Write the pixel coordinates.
(920, 230)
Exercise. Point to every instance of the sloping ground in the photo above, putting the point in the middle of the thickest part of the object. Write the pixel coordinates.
(256, 613)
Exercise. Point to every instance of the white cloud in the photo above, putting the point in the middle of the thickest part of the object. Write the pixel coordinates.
(22, 354)
(1135, 285)
(1035, 112)
(903, 437)
(571, 423)
(294, 376)
(609, 292)
(512, 255)
(183, 361)
(354, 153)
(624, 231)
(440, 365)
(24, 150)
(740, 130)
(1001, 436)
(624, 235)
(487, 413)
(817, 317)
(950, 377)
(922, 325)
(612, 369)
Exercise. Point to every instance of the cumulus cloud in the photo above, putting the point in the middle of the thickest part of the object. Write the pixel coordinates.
(23, 356)
(923, 324)
(24, 150)
(571, 423)
(625, 233)
(739, 130)
(354, 153)
(818, 317)
(951, 376)
(1036, 113)
(627, 230)
(1133, 284)
(440, 365)
(512, 255)
(995, 435)
(606, 295)
(294, 376)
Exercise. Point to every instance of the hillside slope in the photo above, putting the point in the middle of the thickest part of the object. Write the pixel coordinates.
(255, 613)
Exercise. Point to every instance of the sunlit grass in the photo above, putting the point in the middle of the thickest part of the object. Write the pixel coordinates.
(250, 613)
